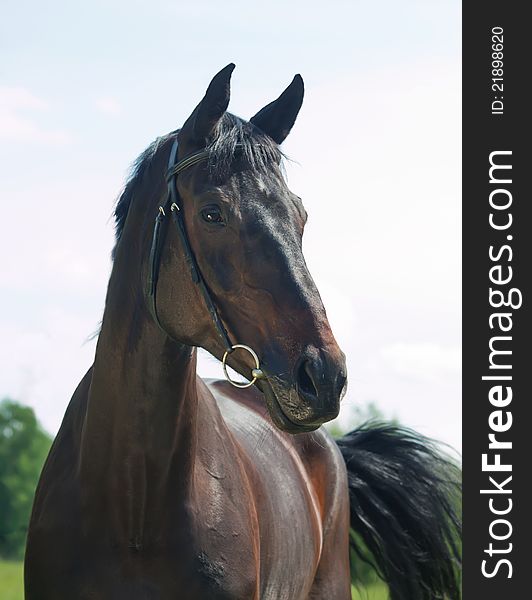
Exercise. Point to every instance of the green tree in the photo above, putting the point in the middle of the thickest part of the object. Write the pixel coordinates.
(23, 449)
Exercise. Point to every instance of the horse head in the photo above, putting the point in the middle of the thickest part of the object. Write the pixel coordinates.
(245, 227)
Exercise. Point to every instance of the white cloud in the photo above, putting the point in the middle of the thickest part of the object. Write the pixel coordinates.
(18, 127)
(109, 106)
(19, 98)
(46, 362)
(422, 361)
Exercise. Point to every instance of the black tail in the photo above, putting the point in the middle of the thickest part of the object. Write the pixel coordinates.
(405, 505)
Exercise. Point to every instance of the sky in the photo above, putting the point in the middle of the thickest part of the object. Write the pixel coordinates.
(85, 87)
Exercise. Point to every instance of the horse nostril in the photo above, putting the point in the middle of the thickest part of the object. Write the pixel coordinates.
(304, 379)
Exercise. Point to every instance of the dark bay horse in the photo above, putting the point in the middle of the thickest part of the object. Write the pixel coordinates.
(160, 485)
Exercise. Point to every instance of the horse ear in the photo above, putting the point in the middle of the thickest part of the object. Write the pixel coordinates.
(202, 122)
(277, 118)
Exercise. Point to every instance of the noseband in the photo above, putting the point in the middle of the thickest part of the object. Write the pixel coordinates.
(172, 206)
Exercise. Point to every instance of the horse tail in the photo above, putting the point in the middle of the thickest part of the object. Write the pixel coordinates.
(405, 506)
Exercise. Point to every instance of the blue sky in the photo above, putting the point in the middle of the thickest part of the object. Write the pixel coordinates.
(84, 87)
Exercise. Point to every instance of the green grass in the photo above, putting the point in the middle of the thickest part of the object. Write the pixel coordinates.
(11, 587)
(374, 591)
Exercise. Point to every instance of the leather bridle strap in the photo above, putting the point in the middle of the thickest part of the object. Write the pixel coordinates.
(172, 205)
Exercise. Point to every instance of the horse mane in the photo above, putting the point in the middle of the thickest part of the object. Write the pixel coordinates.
(258, 149)
(137, 171)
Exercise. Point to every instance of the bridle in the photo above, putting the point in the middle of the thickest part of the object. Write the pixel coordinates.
(172, 206)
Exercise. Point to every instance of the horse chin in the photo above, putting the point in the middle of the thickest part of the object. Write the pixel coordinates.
(278, 415)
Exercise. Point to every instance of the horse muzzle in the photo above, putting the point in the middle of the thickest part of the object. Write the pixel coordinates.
(311, 396)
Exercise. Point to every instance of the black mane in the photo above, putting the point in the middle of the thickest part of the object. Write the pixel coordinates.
(136, 174)
(259, 150)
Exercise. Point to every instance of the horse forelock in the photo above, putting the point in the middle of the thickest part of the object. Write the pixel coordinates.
(260, 152)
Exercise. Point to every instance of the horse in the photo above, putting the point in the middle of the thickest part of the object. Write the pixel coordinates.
(160, 485)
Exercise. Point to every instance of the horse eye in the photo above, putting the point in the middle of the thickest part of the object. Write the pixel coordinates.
(212, 214)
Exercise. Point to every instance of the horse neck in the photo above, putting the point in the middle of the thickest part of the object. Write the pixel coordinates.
(139, 435)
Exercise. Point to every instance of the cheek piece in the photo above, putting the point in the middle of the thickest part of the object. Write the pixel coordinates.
(172, 205)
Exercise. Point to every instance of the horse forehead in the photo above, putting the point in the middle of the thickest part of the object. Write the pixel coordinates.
(265, 183)
(242, 185)
(265, 196)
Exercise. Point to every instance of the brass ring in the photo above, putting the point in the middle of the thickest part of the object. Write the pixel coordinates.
(256, 373)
